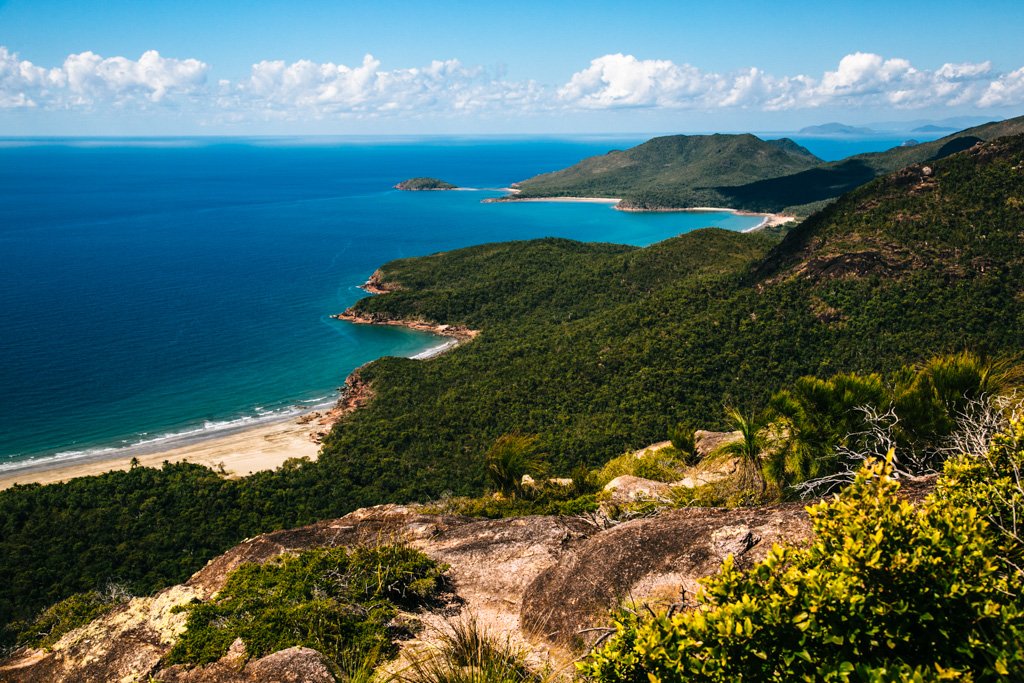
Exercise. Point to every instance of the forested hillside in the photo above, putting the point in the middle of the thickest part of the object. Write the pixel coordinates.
(672, 172)
(686, 168)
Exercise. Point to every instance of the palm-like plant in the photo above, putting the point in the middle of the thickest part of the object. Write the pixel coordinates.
(931, 397)
(749, 448)
(509, 458)
(815, 417)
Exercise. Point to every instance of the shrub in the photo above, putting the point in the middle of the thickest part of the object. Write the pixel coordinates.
(336, 601)
(887, 591)
(994, 483)
(666, 464)
(67, 615)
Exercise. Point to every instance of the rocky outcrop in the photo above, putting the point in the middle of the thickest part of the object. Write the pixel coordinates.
(363, 318)
(706, 443)
(543, 580)
(293, 665)
(629, 489)
(376, 284)
(655, 560)
(124, 645)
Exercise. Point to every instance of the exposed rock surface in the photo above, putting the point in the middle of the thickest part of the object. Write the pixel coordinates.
(124, 645)
(540, 579)
(706, 443)
(376, 284)
(353, 315)
(294, 665)
(709, 473)
(656, 560)
(630, 489)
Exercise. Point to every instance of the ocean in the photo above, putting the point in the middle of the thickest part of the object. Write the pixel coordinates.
(159, 289)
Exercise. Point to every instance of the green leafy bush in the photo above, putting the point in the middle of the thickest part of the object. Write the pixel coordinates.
(336, 601)
(886, 591)
(994, 483)
(665, 464)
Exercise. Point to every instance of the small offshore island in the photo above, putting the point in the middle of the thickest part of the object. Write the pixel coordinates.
(424, 183)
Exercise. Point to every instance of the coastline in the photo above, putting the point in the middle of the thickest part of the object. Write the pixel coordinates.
(767, 219)
(234, 452)
(456, 334)
(249, 448)
(237, 452)
(243, 450)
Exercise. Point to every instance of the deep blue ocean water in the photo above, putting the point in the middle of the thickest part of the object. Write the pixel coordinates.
(160, 287)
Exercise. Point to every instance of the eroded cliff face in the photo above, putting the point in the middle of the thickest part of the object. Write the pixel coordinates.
(543, 580)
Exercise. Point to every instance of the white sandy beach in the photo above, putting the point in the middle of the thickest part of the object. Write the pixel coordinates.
(261, 447)
(236, 453)
(580, 200)
(767, 219)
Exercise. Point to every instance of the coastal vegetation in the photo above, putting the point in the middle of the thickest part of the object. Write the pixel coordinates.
(740, 171)
(886, 591)
(339, 602)
(587, 351)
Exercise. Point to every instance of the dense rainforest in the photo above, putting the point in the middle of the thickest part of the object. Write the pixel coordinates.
(591, 349)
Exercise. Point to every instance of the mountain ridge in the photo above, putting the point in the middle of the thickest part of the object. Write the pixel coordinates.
(744, 187)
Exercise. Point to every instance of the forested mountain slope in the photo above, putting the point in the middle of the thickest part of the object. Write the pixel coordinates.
(686, 171)
(683, 166)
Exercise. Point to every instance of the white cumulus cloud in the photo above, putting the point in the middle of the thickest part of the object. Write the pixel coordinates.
(624, 81)
(1007, 90)
(861, 79)
(87, 79)
(274, 89)
(306, 88)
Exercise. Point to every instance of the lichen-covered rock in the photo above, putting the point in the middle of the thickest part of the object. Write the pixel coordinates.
(706, 443)
(626, 489)
(656, 560)
(294, 665)
(124, 645)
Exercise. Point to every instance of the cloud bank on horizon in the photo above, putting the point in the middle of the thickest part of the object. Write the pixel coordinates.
(310, 90)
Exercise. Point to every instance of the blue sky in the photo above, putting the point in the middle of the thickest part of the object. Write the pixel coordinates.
(160, 67)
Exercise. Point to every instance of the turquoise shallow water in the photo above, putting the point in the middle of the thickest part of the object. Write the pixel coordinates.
(153, 289)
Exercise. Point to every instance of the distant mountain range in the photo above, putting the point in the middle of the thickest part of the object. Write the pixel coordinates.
(836, 129)
(948, 125)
